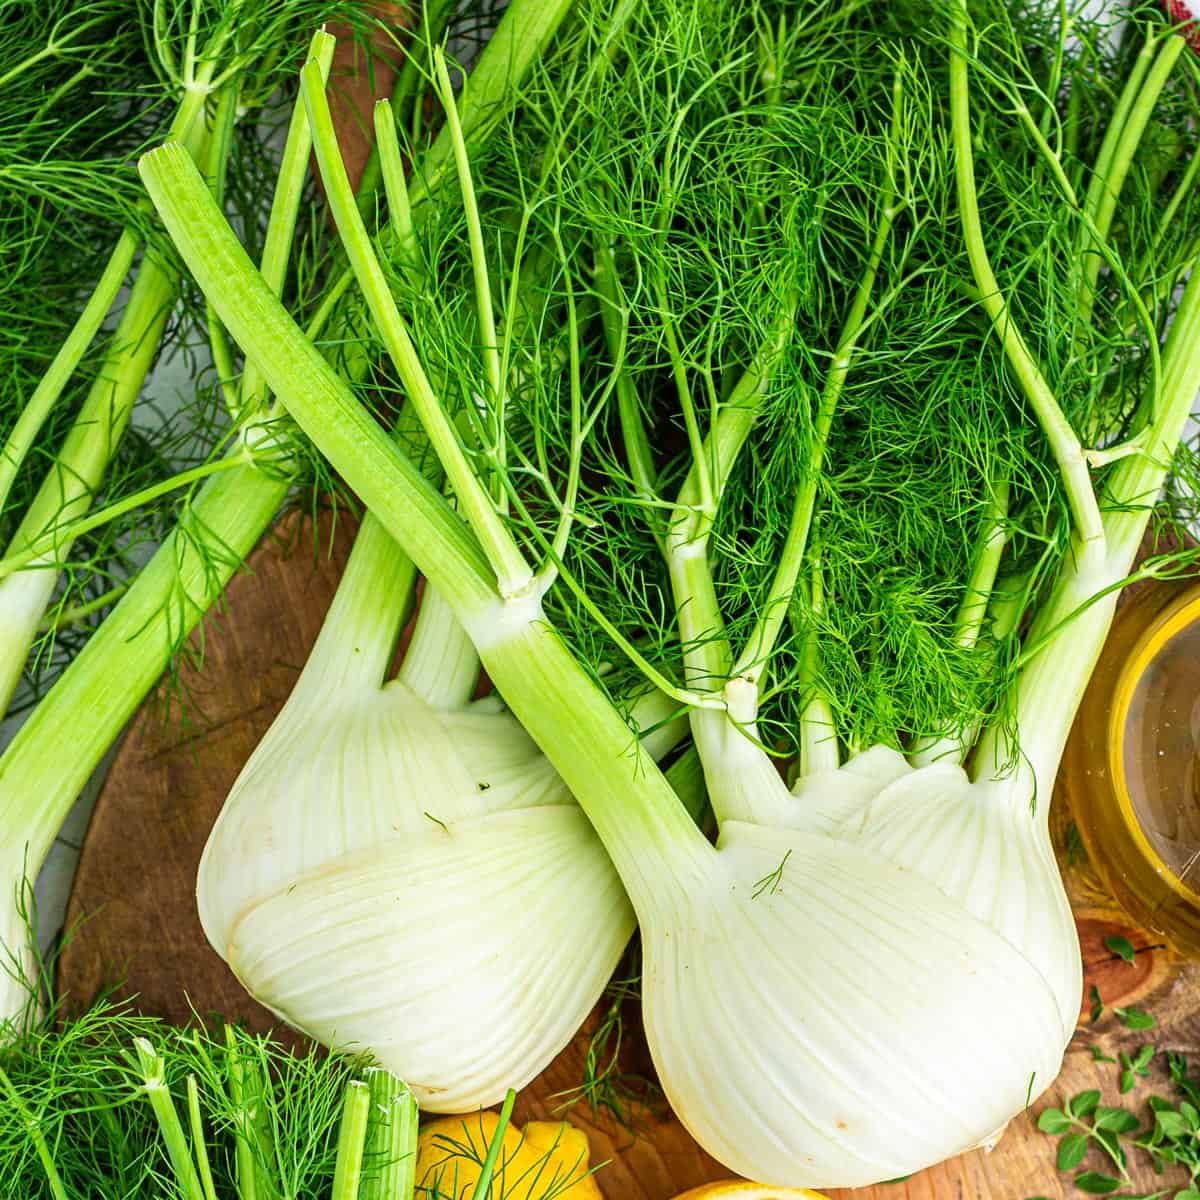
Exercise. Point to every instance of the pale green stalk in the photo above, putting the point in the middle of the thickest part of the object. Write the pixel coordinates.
(483, 1185)
(358, 637)
(1105, 190)
(1064, 444)
(641, 822)
(352, 1137)
(285, 208)
(440, 664)
(818, 741)
(41, 403)
(216, 167)
(395, 185)
(1069, 633)
(155, 1086)
(72, 482)
(488, 342)
(969, 621)
(1099, 180)
(390, 1157)
(614, 316)
(196, 1125)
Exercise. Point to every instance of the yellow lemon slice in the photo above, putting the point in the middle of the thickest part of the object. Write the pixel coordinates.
(546, 1158)
(736, 1189)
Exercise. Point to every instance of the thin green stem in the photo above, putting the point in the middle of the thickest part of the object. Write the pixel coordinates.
(614, 318)
(707, 657)
(704, 508)
(483, 1185)
(972, 615)
(285, 208)
(80, 612)
(395, 187)
(216, 167)
(352, 1137)
(199, 1145)
(732, 426)
(45, 395)
(1064, 444)
(241, 1091)
(707, 654)
(491, 90)
(484, 314)
(33, 1127)
(1185, 188)
(562, 532)
(1102, 204)
(512, 572)
(42, 551)
(1099, 180)
(155, 1086)
(817, 735)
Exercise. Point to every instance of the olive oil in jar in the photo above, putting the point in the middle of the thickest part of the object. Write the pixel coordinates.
(1132, 767)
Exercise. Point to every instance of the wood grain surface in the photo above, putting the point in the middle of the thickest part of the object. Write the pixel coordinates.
(135, 892)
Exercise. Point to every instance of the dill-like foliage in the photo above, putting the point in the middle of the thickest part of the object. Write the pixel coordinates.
(726, 161)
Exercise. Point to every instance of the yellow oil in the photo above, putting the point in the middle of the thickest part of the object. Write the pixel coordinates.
(1132, 767)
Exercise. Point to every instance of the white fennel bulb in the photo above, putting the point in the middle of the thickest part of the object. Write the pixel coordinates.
(983, 844)
(400, 870)
(881, 966)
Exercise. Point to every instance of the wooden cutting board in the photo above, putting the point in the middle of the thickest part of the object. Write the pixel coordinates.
(136, 880)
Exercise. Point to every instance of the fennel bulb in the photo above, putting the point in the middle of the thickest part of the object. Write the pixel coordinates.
(399, 869)
(932, 985)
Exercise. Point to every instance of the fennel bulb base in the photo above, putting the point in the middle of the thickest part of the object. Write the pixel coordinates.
(463, 959)
(857, 1022)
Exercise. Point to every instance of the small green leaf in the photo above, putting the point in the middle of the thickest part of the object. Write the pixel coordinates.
(1119, 1120)
(1072, 1150)
(1143, 1057)
(1188, 1194)
(1122, 947)
(1134, 1018)
(1172, 1124)
(1054, 1121)
(1190, 1115)
(1097, 1003)
(1128, 1082)
(1098, 1055)
(1096, 1184)
(1084, 1103)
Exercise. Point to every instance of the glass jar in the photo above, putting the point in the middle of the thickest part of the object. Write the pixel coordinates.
(1131, 771)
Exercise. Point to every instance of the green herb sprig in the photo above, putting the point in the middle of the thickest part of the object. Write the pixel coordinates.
(1168, 1135)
